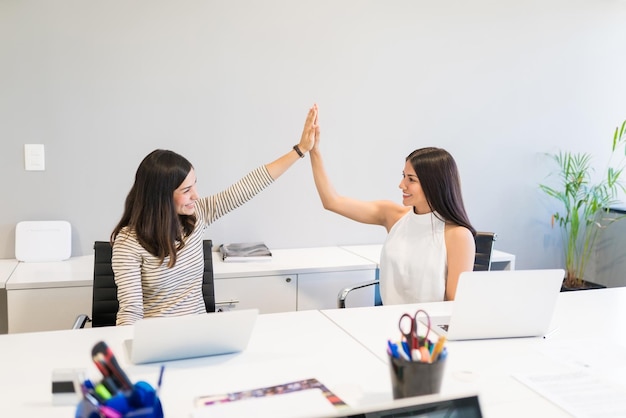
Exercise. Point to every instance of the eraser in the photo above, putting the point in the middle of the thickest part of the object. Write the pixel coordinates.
(66, 386)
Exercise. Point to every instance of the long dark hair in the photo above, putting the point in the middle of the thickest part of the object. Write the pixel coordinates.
(439, 177)
(149, 209)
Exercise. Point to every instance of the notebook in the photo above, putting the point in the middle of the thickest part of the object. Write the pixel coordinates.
(501, 304)
(181, 337)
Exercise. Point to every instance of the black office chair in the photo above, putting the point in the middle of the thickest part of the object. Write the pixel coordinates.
(482, 262)
(104, 301)
(484, 249)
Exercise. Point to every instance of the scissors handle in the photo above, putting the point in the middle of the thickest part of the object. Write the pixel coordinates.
(411, 334)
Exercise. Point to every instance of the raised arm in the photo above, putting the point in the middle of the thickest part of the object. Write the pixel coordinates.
(277, 167)
(379, 212)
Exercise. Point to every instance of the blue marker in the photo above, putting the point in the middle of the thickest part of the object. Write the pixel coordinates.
(407, 350)
(393, 349)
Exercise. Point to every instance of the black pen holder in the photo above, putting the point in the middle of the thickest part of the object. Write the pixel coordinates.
(415, 378)
(141, 402)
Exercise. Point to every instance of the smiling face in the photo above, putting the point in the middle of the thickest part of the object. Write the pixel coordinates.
(412, 193)
(186, 195)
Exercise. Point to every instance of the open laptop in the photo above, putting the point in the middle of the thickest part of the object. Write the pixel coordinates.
(501, 304)
(181, 337)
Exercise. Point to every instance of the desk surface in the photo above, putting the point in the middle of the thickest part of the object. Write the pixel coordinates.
(77, 271)
(283, 348)
(372, 252)
(292, 261)
(487, 367)
(7, 266)
(344, 349)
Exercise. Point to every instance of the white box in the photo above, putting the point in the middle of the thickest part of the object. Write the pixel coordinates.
(40, 241)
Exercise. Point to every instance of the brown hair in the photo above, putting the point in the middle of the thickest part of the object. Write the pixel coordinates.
(149, 209)
(439, 177)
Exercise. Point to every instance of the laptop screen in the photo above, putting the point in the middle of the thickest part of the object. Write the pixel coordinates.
(465, 407)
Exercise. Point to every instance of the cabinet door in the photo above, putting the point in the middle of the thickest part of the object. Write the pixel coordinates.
(267, 293)
(320, 290)
(47, 309)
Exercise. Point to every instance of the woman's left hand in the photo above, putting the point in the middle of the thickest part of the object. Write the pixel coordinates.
(307, 141)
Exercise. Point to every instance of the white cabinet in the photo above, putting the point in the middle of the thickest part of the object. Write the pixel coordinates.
(284, 293)
(294, 279)
(320, 290)
(49, 296)
(268, 294)
(46, 309)
(6, 269)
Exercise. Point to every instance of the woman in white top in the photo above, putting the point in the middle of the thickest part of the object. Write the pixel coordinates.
(430, 240)
(157, 245)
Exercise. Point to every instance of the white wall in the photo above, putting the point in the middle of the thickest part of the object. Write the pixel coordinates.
(228, 83)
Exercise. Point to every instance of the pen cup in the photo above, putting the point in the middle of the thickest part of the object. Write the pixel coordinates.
(414, 378)
(141, 402)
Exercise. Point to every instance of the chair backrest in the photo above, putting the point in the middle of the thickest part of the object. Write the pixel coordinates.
(484, 248)
(105, 304)
(208, 289)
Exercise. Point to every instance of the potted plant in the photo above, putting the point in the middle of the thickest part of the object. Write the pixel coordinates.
(585, 202)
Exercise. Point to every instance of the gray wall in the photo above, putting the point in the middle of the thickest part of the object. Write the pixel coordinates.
(228, 83)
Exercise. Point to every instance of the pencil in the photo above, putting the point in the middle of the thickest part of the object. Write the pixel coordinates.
(438, 348)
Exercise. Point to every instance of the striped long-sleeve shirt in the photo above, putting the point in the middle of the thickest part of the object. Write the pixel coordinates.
(148, 288)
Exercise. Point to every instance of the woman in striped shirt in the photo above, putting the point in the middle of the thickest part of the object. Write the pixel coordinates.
(157, 245)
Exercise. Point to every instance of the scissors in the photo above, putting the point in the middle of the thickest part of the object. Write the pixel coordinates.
(408, 327)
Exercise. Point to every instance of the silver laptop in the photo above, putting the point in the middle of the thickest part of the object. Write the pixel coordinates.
(181, 337)
(501, 304)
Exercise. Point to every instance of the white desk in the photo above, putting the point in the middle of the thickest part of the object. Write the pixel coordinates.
(343, 348)
(594, 317)
(6, 269)
(283, 348)
(500, 260)
(49, 296)
(295, 279)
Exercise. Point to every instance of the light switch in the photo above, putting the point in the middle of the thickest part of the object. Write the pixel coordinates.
(34, 157)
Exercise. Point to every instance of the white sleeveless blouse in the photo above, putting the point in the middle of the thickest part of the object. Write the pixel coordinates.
(413, 261)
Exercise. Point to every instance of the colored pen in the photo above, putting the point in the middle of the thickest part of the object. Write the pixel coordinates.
(107, 363)
(158, 388)
(88, 384)
(404, 355)
(393, 349)
(103, 392)
(407, 349)
(438, 348)
(109, 412)
(105, 411)
(110, 384)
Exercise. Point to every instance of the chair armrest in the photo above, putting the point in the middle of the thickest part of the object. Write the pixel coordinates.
(343, 293)
(80, 321)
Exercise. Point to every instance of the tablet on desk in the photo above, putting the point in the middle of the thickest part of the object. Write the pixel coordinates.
(181, 337)
(429, 406)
